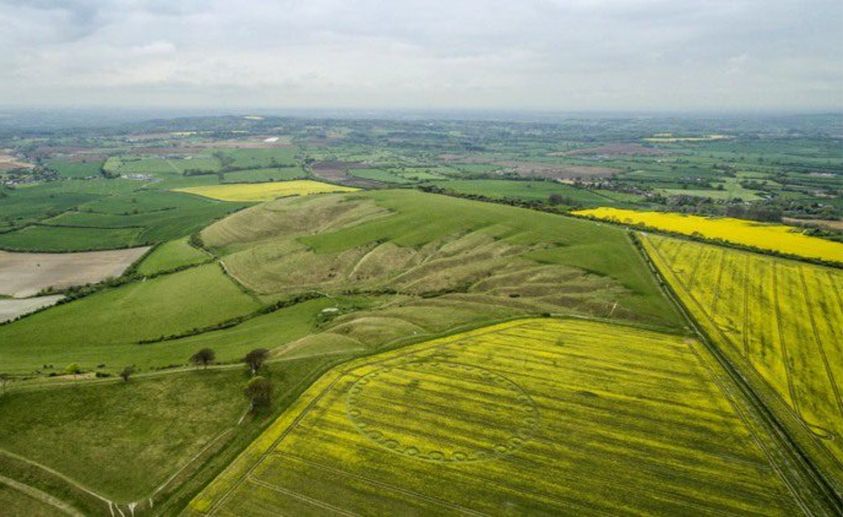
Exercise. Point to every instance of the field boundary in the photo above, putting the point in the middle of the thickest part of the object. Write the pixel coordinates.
(821, 497)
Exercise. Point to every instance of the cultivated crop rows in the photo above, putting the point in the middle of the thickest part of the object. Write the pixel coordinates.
(532, 416)
(782, 318)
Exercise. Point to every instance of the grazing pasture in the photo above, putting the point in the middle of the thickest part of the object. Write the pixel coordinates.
(382, 175)
(774, 237)
(527, 191)
(48, 238)
(156, 423)
(259, 158)
(172, 255)
(245, 192)
(104, 328)
(26, 274)
(263, 175)
(115, 220)
(781, 318)
(76, 169)
(532, 416)
(495, 255)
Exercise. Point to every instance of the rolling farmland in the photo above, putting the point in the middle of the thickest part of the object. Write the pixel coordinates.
(773, 237)
(264, 191)
(531, 416)
(26, 274)
(781, 318)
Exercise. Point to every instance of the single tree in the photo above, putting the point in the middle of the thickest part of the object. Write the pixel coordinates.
(203, 357)
(555, 199)
(73, 369)
(259, 392)
(255, 359)
(127, 372)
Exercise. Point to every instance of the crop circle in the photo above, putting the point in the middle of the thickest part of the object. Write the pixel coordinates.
(442, 411)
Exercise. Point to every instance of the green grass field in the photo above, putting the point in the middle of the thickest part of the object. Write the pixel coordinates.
(260, 158)
(172, 255)
(261, 175)
(379, 175)
(492, 254)
(118, 220)
(534, 416)
(76, 169)
(63, 238)
(104, 327)
(127, 437)
(527, 191)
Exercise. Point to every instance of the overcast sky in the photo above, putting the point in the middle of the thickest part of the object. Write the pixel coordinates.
(424, 54)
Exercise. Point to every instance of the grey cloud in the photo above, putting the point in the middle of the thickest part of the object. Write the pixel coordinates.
(548, 54)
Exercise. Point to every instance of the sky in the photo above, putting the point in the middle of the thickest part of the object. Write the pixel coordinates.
(550, 55)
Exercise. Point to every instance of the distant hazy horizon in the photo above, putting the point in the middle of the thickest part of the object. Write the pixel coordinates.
(586, 56)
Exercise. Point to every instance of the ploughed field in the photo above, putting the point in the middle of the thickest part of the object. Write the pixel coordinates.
(772, 237)
(531, 416)
(780, 320)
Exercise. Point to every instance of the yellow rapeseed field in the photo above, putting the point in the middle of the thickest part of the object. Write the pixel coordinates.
(774, 237)
(534, 416)
(264, 191)
(781, 318)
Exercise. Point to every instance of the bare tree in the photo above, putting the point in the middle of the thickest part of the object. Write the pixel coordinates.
(203, 357)
(256, 358)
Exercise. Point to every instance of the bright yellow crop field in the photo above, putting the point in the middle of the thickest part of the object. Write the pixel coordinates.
(775, 237)
(783, 318)
(532, 416)
(264, 191)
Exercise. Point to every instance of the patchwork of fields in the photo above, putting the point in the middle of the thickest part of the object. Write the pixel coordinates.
(532, 416)
(774, 237)
(264, 191)
(782, 318)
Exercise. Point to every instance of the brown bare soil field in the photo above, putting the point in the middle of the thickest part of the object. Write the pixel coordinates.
(335, 171)
(825, 224)
(615, 150)
(555, 171)
(26, 274)
(9, 162)
(11, 309)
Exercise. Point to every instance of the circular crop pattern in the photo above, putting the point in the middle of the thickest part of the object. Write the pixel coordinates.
(442, 411)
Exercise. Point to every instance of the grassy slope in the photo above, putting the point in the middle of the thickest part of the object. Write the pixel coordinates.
(101, 328)
(14, 502)
(172, 255)
(526, 190)
(597, 249)
(123, 439)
